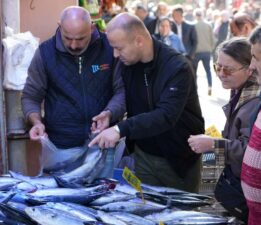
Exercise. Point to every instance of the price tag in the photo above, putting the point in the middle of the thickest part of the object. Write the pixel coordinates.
(131, 179)
(213, 132)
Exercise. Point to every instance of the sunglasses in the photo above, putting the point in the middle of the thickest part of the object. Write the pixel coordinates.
(226, 70)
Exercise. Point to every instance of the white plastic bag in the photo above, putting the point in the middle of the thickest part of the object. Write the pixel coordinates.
(18, 53)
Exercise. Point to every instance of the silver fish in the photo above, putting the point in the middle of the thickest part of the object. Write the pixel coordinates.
(182, 201)
(82, 214)
(112, 196)
(125, 188)
(93, 156)
(47, 216)
(107, 218)
(81, 196)
(132, 219)
(86, 209)
(174, 192)
(135, 207)
(171, 217)
(40, 182)
(6, 183)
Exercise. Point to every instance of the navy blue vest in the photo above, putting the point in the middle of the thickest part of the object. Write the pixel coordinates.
(75, 93)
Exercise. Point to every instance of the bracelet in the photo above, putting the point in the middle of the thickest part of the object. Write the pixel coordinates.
(117, 129)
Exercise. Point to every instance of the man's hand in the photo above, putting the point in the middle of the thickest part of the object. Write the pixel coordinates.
(106, 139)
(37, 131)
(101, 121)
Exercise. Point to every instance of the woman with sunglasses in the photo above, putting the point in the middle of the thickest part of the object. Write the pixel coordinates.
(232, 68)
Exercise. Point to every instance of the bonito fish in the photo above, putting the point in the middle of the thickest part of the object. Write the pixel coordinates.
(47, 216)
(112, 196)
(94, 157)
(81, 196)
(134, 207)
(170, 217)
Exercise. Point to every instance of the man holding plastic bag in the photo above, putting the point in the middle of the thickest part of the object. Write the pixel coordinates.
(73, 74)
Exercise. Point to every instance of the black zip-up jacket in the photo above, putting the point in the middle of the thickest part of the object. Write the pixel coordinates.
(174, 108)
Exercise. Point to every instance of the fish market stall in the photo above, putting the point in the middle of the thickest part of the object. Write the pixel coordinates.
(53, 200)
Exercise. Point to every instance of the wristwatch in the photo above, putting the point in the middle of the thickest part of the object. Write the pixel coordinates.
(117, 129)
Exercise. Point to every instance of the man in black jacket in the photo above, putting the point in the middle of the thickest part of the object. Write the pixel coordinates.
(186, 32)
(162, 107)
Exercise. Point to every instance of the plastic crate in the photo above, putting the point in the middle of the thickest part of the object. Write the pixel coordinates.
(216, 209)
(211, 172)
(207, 187)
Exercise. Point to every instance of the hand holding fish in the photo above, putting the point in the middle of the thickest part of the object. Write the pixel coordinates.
(201, 143)
(106, 139)
(37, 131)
(101, 121)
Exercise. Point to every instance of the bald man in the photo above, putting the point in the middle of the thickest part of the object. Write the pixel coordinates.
(162, 107)
(73, 74)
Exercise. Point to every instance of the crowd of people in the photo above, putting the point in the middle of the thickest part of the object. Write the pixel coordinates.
(138, 81)
(200, 30)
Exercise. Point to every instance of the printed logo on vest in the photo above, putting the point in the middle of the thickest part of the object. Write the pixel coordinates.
(96, 68)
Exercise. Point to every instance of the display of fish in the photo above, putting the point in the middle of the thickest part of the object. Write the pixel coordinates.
(84, 199)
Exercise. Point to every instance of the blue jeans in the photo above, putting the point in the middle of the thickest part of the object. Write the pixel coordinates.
(205, 58)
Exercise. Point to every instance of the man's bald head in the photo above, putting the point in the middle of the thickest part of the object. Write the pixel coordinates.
(130, 39)
(76, 29)
(128, 23)
(75, 13)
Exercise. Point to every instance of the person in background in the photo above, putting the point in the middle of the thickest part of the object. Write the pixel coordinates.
(162, 107)
(162, 11)
(143, 14)
(185, 31)
(251, 168)
(168, 37)
(205, 45)
(242, 25)
(73, 74)
(233, 70)
(221, 29)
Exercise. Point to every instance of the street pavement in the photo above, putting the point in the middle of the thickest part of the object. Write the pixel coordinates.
(211, 106)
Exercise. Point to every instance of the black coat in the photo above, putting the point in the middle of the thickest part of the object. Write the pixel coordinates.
(189, 37)
(174, 108)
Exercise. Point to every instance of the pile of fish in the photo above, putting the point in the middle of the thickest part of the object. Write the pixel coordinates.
(49, 200)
